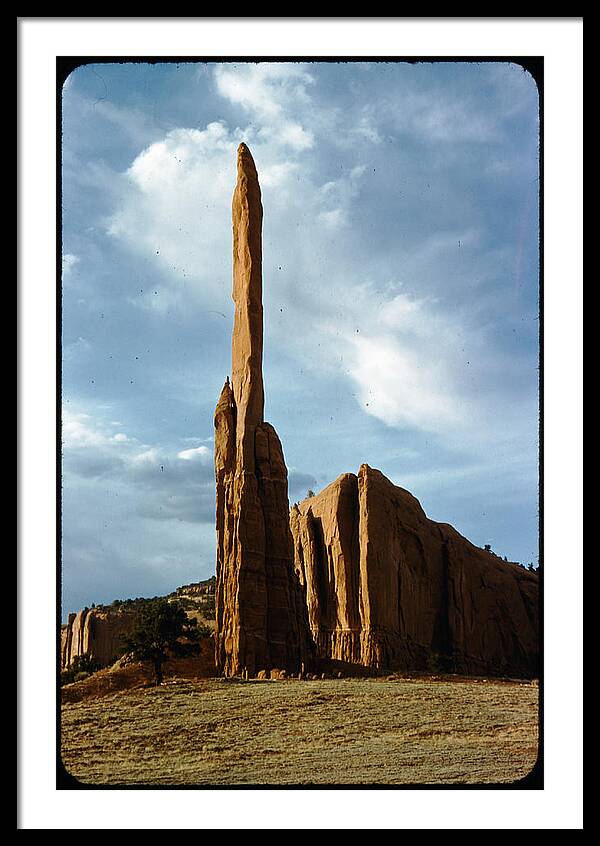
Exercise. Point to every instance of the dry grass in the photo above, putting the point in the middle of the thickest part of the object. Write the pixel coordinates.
(343, 731)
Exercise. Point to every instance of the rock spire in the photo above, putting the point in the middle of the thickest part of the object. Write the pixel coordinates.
(261, 618)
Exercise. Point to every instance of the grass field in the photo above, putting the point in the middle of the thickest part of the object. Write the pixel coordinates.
(342, 731)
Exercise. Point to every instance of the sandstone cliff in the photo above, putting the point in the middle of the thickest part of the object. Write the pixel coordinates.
(388, 588)
(95, 633)
(260, 616)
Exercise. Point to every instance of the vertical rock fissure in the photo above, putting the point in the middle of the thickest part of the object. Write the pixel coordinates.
(322, 586)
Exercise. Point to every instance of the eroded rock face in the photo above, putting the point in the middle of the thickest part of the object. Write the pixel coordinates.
(260, 614)
(95, 633)
(388, 588)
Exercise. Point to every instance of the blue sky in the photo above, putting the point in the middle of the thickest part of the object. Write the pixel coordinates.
(400, 289)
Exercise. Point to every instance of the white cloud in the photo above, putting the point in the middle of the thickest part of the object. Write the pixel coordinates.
(414, 363)
(84, 431)
(200, 453)
(148, 456)
(173, 211)
(276, 175)
(79, 430)
(380, 342)
(401, 356)
(175, 201)
(398, 387)
(295, 136)
(268, 92)
(161, 162)
(180, 214)
(251, 86)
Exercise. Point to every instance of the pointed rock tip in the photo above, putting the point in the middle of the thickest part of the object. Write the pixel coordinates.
(226, 394)
(245, 160)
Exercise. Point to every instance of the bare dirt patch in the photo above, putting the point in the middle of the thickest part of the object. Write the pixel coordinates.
(342, 731)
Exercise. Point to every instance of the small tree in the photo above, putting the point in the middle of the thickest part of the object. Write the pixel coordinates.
(160, 629)
(309, 493)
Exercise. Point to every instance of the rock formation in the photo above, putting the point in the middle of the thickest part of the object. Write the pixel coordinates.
(388, 588)
(260, 614)
(205, 588)
(95, 633)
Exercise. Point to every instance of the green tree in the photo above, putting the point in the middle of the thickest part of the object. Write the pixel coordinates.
(160, 629)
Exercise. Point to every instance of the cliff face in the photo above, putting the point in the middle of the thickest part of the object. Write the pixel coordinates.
(260, 616)
(95, 633)
(388, 588)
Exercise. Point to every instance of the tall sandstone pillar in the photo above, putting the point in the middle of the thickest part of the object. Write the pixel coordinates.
(261, 618)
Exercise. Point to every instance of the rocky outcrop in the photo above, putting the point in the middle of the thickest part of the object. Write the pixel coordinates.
(205, 588)
(260, 615)
(388, 588)
(94, 633)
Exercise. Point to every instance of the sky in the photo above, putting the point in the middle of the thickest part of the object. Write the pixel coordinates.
(400, 290)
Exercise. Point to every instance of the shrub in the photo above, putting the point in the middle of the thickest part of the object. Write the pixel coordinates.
(80, 668)
(439, 663)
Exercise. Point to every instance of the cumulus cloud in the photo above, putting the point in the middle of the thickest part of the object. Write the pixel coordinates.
(171, 196)
(155, 478)
(174, 210)
(388, 278)
(406, 363)
(201, 453)
(395, 385)
(268, 91)
(80, 430)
